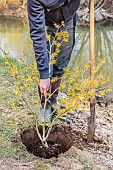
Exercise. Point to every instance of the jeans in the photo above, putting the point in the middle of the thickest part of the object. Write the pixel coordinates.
(66, 48)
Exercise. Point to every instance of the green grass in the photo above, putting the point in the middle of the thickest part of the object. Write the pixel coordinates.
(8, 117)
(2, 60)
(6, 149)
(13, 60)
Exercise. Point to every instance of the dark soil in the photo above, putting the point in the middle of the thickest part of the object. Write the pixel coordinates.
(59, 141)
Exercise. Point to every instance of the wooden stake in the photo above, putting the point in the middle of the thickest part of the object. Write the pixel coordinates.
(92, 118)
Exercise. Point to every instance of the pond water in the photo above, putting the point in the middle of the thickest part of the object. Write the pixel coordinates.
(14, 38)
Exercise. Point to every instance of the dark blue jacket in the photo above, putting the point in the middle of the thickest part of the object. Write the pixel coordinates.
(36, 16)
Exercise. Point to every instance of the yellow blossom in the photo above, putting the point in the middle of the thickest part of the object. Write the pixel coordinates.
(16, 83)
(56, 25)
(48, 36)
(54, 79)
(7, 54)
(53, 62)
(18, 93)
(66, 70)
(15, 107)
(62, 23)
(30, 78)
(21, 60)
(14, 71)
(36, 101)
(7, 62)
(62, 85)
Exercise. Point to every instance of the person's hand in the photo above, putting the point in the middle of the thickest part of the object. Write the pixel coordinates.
(44, 85)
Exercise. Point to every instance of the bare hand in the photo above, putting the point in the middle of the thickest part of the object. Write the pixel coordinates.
(44, 85)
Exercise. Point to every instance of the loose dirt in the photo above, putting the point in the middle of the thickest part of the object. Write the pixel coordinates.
(59, 141)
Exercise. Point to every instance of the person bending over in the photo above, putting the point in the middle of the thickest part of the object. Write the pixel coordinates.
(43, 13)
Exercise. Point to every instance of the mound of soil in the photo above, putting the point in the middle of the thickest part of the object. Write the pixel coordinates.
(59, 141)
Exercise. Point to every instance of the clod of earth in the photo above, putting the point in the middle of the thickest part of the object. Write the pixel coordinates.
(60, 140)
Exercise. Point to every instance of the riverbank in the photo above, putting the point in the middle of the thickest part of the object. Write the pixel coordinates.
(13, 155)
(103, 11)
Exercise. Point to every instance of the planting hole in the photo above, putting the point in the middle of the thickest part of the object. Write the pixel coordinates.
(60, 140)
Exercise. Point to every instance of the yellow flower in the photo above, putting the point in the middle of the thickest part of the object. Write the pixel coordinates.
(48, 36)
(21, 60)
(66, 70)
(7, 54)
(22, 77)
(18, 93)
(54, 42)
(16, 83)
(53, 55)
(36, 101)
(58, 44)
(63, 23)
(15, 107)
(14, 71)
(7, 62)
(56, 25)
(25, 84)
(62, 85)
(30, 78)
(54, 79)
(22, 52)
(53, 62)
(34, 71)
(57, 50)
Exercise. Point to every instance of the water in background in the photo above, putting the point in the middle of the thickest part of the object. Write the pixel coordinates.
(14, 38)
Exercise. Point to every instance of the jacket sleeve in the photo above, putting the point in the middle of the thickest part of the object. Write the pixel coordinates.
(36, 19)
